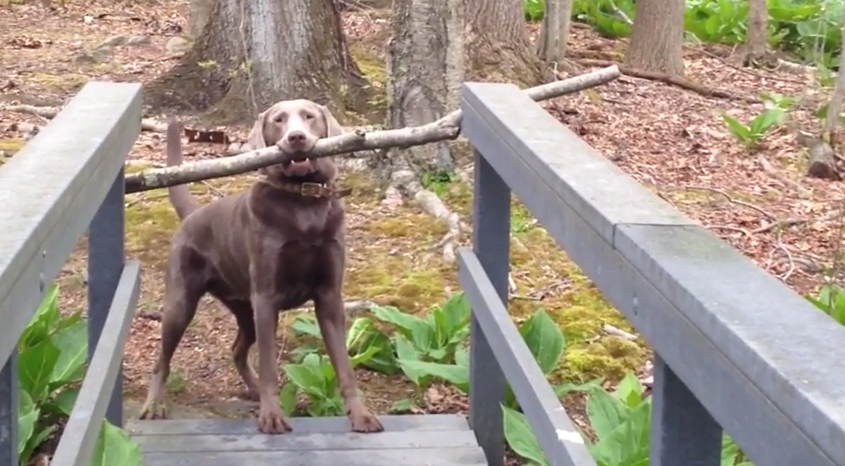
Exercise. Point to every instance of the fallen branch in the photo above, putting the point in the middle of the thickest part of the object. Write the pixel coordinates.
(445, 128)
(147, 124)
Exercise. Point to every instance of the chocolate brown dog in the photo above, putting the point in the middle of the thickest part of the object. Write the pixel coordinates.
(273, 247)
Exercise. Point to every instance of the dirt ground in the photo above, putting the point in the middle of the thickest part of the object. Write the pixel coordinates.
(670, 139)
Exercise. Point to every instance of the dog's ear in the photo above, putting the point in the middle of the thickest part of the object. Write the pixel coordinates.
(256, 136)
(333, 128)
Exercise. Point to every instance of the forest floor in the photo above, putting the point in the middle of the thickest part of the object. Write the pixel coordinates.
(670, 139)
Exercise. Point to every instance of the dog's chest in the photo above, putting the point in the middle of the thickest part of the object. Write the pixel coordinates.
(310, 226)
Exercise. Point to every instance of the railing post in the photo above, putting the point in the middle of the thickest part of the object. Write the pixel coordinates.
(105, 266)
(9, 412)
(682, 430)
(491, 243)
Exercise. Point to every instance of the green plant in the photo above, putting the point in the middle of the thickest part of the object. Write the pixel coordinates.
(621, 422)
(756, 130)
(315, 378)
(831, 300)
(52, 357)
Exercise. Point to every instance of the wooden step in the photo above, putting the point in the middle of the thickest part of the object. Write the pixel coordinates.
(407, 440)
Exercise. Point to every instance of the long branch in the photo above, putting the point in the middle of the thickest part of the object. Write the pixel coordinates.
(445, 128)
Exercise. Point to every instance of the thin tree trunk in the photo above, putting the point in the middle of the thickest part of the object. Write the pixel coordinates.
(497, 45)
(554, 34)
(756, 45)
(657, 37)
(252, 53)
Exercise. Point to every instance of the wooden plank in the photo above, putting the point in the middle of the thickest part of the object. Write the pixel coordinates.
(80, 434)
(394, 457)
(558, 437)
(51, 190)
(306, 442)
(725, 327)
(300, 425)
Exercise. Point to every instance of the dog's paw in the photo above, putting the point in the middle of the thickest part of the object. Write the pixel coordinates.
(153, 410)
(366, 423)
(271, 421)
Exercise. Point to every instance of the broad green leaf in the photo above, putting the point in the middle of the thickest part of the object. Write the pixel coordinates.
(462, 357)
(62, 403)
(359, 332)
(628, 442)
(417, 330)
(384, 360)
(302, 351)
(306, 377)
(27, 417)
(405, 350)
(41, 433)
(629, 391)
(35, 369)
(737, 128)
(520, 437)
(544, 338)
(115, 447)
(44, 320)
(456, 312)
(605, 412)
(567, 388)
(287, 398)
(450, 373)
(362, 358)
(762, 123)
(72, 343)
(306, 325)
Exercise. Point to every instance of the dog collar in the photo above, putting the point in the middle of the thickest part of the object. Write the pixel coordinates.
(308, 189)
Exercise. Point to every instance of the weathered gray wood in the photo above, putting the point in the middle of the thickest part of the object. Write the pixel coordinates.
(300, 425)
(306, 442)
(754, 353)
(80, 435)
(558, 437)
(392, 457)
(491, 243)
(51, 189)
(105, 264)
(682, 431)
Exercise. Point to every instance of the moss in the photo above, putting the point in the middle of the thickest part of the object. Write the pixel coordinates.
(64, 82)
(11, 145)
(374, 70)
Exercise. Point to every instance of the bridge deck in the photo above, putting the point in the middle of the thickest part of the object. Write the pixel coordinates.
(408, 440)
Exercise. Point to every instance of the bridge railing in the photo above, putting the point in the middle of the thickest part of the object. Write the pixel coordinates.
(66, 180)
(735, 348)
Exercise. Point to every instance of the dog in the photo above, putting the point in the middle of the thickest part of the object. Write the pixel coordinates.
(273, 247)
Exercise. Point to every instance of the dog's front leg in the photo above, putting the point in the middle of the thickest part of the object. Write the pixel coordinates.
(330, 315)
(271, 420)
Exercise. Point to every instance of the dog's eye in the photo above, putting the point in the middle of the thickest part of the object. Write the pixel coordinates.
(309, 116)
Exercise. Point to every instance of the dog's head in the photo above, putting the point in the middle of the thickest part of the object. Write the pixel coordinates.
(294, 126)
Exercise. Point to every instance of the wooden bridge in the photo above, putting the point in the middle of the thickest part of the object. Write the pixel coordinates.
(736, 349)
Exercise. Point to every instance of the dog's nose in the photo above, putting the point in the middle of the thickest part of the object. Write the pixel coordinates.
(296, 137)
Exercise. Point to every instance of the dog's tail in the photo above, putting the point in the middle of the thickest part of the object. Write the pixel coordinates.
(180, 196)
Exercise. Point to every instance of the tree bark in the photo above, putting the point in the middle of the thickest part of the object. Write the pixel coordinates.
(425, 70)
(497, 45)
(199, 15)
(252, 53)
(554, 34)
(756, 45)
(657, 37)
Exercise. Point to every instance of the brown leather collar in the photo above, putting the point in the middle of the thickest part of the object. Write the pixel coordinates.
(308, 189)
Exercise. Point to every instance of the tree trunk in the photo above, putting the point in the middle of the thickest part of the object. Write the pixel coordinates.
(554, 34)
(657, 37)
(198, 16)
(497, 45)
(756, 46)
(252, 53)
(425, 70)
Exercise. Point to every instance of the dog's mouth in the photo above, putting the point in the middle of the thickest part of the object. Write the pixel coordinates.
(297, 162)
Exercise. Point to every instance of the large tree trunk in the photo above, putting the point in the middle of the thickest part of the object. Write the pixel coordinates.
(252, 53)
(497, 45)
(657, 37)
(554, 34)
(756, 46)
